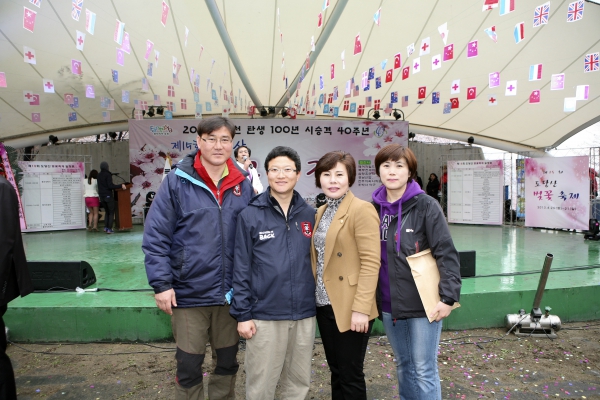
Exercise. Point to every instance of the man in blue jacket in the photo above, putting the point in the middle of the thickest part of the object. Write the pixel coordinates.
(273, 284)
(188, 242)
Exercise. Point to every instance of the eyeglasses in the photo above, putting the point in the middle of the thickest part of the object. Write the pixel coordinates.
(276, 171)
(213, 140)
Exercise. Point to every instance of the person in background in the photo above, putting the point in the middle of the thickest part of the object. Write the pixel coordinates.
(410, 223)
(593, 183)
(107, 197)
(92, 201)
(189, 240)
(15, 280)
(419, 181)
(242, 156)
(273, 286)
(433, 187)
(345, 262)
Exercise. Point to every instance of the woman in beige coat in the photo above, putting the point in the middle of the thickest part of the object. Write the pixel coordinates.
(345, 259)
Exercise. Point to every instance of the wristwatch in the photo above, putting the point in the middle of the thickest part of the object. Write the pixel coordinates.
(447, 301)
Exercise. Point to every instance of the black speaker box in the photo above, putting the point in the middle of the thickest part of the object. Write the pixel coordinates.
(61, 274)
(467, 263)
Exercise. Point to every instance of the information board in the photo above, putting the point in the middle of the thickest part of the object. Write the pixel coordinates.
(475, 192)
(53, 195)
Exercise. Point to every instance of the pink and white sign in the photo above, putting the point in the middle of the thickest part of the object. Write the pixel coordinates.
(7, 172)
(557, 192)
(150, 141)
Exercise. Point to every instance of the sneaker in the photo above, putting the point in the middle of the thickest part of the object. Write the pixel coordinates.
(109, 230)
(105, 229)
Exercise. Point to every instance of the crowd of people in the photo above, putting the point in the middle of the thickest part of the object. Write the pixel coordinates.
(227, 259)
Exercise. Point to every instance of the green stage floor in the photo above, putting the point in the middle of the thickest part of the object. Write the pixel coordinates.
(118, 263)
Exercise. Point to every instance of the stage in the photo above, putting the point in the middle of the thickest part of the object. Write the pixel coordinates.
(118, 261)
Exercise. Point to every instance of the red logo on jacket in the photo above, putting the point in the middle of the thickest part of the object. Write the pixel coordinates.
(306, 229)
(237, 190)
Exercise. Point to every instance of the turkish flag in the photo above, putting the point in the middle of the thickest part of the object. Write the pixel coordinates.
(357, 45)
(422, 92)
(397, 61)
(471, 93)
(449, 52)
(534, 97)
(388, 76)
(454, 102)
(29, 19)
(405, 73)
(35, 100)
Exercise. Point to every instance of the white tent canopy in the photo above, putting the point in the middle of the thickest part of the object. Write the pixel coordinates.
(261, 43)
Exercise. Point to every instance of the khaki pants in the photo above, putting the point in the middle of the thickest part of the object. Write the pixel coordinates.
(193, 328)
(280, 348)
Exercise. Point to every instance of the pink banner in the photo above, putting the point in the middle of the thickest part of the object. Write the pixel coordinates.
(8, 172)
(557, 192)
(150, 141)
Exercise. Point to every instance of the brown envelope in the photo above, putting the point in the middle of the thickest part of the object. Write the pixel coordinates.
(427, 278)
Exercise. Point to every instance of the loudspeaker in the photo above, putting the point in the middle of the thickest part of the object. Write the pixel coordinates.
(467, 263)
(61, 274)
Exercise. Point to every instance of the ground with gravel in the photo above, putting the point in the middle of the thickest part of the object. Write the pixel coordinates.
(481, 363)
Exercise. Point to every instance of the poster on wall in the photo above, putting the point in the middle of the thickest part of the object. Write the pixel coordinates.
(475, 192)
(557, 192)
(151, 141)
(53, 195)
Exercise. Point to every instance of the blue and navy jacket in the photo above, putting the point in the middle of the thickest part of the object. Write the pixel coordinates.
(189, 239)
(272, 273)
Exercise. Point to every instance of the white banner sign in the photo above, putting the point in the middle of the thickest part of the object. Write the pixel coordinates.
(475, 192)
(557, 192)
(150, 141)
(53, 195)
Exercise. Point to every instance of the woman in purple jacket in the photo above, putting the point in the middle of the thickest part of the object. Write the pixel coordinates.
(412, 222)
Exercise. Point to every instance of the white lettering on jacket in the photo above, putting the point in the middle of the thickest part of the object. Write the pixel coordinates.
(266, 235)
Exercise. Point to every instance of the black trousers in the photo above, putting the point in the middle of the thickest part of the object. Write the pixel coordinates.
(8, 389)
(108, 203)
(345, 352)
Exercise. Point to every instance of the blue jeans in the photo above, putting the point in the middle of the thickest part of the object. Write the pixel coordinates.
(415, 344)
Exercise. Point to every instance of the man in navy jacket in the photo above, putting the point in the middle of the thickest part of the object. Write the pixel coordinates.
(273, 284)
(188, 242)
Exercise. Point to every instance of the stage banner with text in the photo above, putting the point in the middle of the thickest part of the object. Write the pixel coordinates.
(53, 195)
(475, 192)
(150, 141)
(557, 192)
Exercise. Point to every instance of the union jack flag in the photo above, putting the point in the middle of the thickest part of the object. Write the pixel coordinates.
(540, 15)
(591, 62)
(575, 12)
(76, 9)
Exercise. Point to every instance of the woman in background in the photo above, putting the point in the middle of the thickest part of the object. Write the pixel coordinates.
(345, 261)
(433, 186)
(92, 200)
(410, 223)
